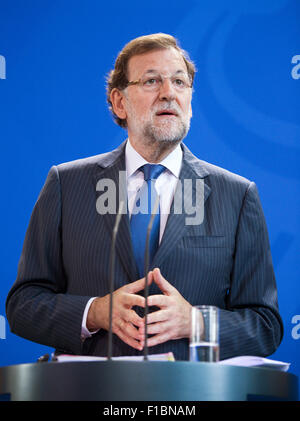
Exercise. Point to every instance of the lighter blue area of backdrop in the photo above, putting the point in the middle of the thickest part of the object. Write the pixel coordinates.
(245, 112)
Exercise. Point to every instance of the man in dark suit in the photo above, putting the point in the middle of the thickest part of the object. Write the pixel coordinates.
(60, 297)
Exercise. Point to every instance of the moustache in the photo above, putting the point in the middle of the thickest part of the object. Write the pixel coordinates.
(168, 109)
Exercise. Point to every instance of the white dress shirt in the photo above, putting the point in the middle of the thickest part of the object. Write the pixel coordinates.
(165, 186)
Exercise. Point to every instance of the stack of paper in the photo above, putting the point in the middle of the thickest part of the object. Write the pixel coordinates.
(72, 358)
(253, 361)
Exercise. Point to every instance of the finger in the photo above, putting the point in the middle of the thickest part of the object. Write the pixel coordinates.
(159, 300)
(132, 317)
(128, 340)
(162, 283)
(158, 339)
(131, 300)
(138, 285)
(131, 331)
(158, 328)
(157, 316)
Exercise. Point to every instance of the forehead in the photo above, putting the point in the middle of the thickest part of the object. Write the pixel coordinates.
(162, 61)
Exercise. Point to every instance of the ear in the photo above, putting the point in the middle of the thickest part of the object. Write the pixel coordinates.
(117, 99)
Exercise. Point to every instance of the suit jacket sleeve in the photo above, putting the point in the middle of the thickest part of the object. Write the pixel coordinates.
(251, 323)
(38, 306)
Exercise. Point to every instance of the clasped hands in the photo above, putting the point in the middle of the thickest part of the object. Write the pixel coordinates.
(171, 321)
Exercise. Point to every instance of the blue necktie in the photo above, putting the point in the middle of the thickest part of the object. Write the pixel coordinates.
(141, 216)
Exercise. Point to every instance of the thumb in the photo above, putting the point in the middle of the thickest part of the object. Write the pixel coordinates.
(162, 283)
(138, 285)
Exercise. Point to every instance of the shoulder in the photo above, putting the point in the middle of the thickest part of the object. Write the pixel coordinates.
(79, 164)
(219, 173)
(214, 173)
(102, 160)
(226, 186)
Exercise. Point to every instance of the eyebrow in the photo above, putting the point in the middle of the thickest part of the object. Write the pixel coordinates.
(157, 72)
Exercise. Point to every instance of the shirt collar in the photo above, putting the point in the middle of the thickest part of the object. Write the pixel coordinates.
(134, 160)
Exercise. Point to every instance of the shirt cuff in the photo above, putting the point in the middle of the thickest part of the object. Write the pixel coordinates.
(85, 333)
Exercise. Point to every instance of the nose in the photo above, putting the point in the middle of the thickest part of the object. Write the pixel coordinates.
(167, 90)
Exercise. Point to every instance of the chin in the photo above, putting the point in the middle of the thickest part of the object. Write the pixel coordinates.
(167, 135)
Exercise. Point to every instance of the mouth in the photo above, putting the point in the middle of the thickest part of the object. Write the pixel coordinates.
(167, 113)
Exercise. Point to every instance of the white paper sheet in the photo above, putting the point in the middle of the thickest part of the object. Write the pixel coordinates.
(253, 361)
(73, 358)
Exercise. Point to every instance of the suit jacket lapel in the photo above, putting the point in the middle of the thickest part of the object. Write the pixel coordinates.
(109, 167)
(192, 168)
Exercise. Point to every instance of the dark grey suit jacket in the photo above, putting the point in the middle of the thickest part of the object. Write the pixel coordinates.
(225, 261)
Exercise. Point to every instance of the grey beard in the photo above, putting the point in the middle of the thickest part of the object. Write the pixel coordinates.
(155, 135)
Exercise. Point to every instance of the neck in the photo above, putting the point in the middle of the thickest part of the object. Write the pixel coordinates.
(154, 152)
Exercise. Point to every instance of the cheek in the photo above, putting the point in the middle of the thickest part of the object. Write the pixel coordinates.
(139, 108)
(188, 109)
(185, 104)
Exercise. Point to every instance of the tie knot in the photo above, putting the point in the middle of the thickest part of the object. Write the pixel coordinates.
(152, 171)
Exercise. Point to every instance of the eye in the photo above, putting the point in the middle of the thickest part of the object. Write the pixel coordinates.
(151, 81)
(180, 83)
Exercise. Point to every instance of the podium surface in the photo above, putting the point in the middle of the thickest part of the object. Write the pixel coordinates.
(144, 381)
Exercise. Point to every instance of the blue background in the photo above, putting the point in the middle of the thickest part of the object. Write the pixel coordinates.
(245, 112)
